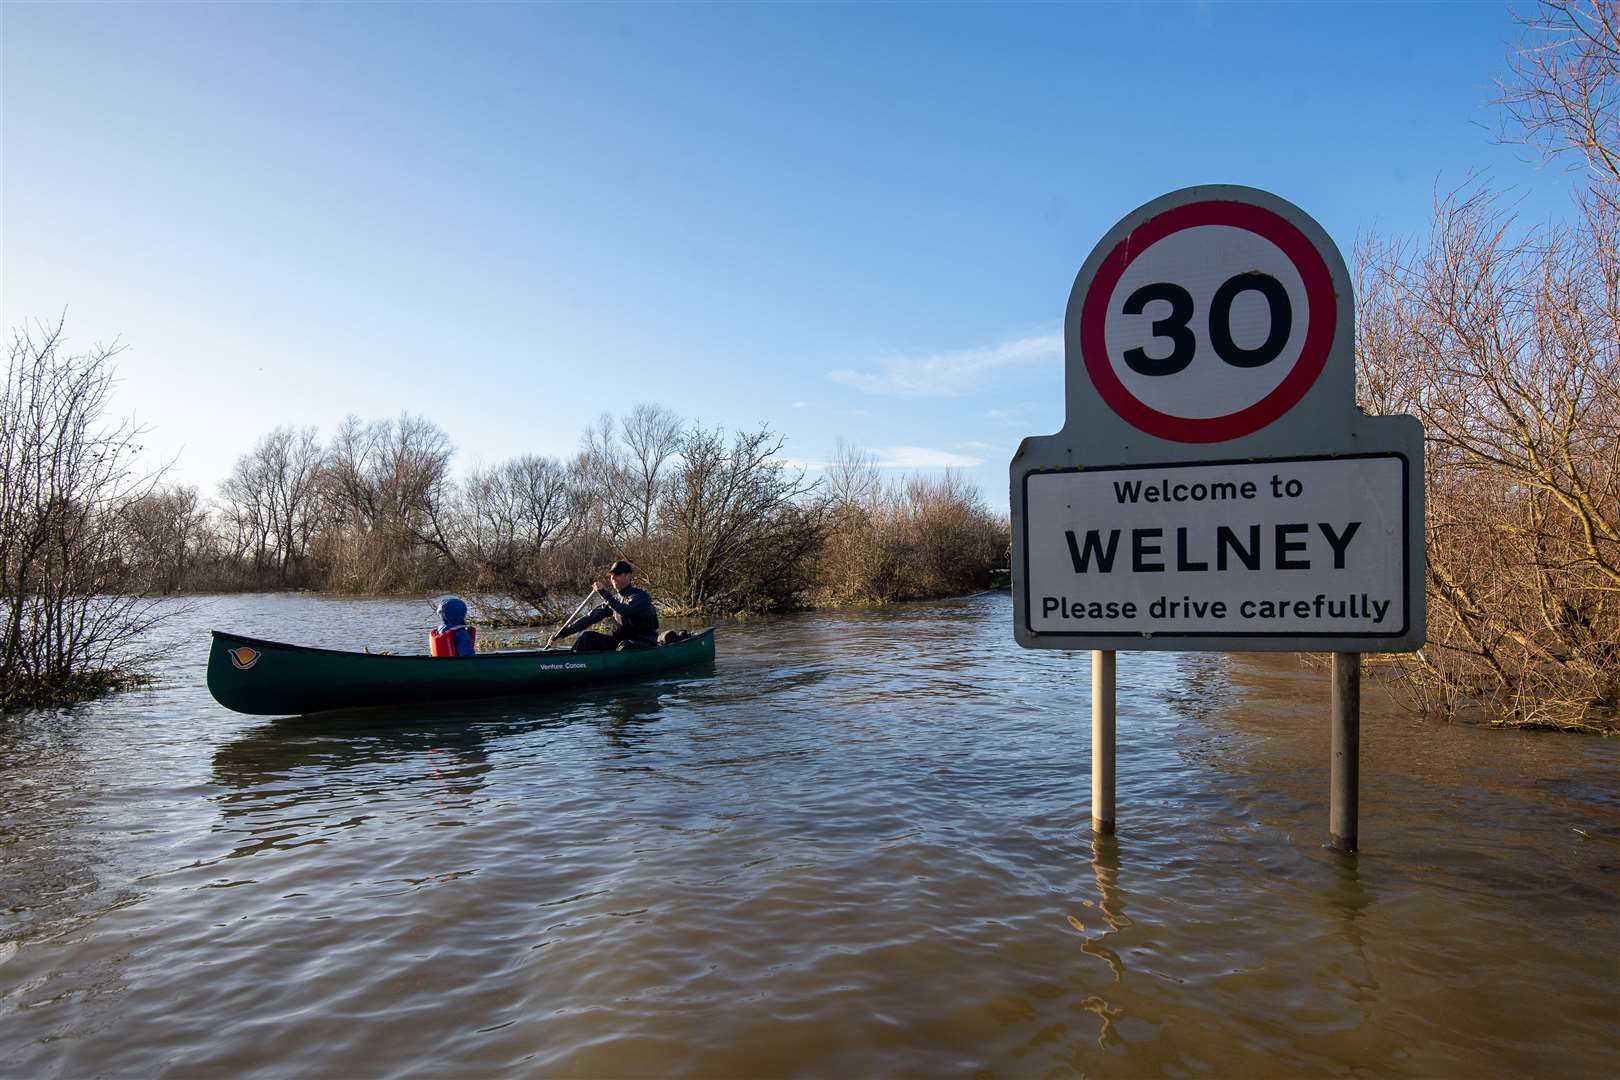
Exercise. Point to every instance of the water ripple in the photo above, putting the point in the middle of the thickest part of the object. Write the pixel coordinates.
(858, 846)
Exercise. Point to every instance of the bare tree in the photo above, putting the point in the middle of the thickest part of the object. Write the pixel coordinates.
(272, 498)
(65, 476)
(515, 514)
(1563, 91)
(740, 532)
(389, 498)
(852, 479)
(1505, 342)
(600, 479)
(351, 487)
(245, 509)
(651, 435)
(167, 533)
(517, 508)
(419, 488)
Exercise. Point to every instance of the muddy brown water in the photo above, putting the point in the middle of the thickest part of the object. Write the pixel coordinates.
(858, 845)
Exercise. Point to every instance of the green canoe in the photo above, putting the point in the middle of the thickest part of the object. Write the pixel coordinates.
(275, 679)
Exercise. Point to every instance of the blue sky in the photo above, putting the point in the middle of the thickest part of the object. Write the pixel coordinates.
(854, 222)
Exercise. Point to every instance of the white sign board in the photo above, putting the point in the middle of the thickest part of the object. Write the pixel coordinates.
(1214, 485)
(1304, 547)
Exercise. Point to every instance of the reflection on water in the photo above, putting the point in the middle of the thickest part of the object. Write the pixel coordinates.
(1109, 907)
(857, 845)
(275, 751)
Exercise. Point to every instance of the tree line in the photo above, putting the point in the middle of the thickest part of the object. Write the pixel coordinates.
(716, 523)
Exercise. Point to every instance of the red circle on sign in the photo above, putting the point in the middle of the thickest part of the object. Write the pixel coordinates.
(1321, 326)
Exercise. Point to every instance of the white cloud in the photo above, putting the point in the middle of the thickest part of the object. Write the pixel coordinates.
(922, 457)
(801, 405)
(898, 457)
(1017, 414)
(950, 374)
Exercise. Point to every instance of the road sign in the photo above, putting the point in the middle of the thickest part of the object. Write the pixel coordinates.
(1208, 321)
(1281, 548)
(1214, 485)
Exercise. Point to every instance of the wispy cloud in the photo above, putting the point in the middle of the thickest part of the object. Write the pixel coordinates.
(950, 374)
(922, 457)
(1023, 412)
(899, 457)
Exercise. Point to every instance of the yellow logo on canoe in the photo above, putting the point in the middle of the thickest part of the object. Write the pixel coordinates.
(244, 657)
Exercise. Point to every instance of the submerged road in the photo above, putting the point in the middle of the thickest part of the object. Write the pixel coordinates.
(858, 846)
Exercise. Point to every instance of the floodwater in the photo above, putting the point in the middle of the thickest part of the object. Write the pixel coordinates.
(857, 846)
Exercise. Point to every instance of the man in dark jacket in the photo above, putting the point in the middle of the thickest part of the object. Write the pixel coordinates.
(635, 623)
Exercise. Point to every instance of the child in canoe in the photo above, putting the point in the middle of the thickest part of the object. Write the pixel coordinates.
(453, 637)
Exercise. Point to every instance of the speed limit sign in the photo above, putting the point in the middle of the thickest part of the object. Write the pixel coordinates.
(1208, 321)
(1215, 485)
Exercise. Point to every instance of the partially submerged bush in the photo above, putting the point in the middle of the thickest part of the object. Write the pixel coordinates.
(67, 622)
(927, 537)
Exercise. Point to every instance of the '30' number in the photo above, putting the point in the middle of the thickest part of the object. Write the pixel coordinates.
(1174, 326)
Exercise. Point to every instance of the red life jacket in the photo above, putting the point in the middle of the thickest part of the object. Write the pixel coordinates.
(443, 642)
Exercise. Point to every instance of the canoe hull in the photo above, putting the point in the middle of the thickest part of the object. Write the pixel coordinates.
(271, 678)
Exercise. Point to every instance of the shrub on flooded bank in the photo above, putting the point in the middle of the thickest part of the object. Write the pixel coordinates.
(75, 689)
(925, 538)
(67, 620)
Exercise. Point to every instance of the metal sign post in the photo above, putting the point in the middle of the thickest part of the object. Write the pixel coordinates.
(1214, 486)
(1344, 794)
(1102, 742)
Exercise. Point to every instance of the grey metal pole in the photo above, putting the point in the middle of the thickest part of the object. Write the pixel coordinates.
(1102, 741)
(1343, 800)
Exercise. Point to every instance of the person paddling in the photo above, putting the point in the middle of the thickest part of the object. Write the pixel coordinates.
(635, 622)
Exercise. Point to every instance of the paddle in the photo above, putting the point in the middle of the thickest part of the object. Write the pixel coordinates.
(552, 639)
